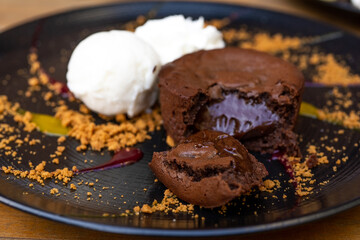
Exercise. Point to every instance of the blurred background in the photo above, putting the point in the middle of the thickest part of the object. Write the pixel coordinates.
(341, 13)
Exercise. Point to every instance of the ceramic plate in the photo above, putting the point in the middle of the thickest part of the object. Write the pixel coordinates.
(56, 36)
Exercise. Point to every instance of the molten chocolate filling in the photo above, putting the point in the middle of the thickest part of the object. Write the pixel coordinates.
(238, 117)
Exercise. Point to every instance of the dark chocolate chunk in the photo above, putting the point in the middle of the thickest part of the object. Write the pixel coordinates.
(209, 169)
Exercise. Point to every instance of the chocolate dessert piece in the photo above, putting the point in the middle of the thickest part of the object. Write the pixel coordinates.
(208, 169)
(250, 95)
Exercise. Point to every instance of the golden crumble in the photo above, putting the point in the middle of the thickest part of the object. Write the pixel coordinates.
(54, 191)
(108, 135)
(170, 142)
(170, 203)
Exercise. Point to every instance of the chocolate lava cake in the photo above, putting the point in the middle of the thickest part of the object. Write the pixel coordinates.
(250, 95)
(209, 169)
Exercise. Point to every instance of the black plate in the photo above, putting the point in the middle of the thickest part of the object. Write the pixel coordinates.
(59, 34)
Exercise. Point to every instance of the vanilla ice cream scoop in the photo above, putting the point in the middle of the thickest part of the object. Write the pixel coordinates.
(174, 36)
(114, 72)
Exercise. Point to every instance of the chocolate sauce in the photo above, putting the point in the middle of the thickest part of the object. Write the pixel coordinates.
(208, 144)
(64, 90)
(121, 158)
(237, 117)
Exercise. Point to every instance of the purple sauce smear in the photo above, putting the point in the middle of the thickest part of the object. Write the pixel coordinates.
(121, 158)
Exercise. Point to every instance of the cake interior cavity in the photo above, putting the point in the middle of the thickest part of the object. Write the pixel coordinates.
(238, 117)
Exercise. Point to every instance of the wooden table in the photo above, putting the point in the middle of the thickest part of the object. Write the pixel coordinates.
(15, 224)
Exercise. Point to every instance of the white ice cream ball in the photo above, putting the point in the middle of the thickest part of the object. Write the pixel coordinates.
(175, 36)
(114, 72)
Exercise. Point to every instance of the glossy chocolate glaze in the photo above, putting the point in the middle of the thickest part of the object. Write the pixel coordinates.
(236, 116)
(209, 145)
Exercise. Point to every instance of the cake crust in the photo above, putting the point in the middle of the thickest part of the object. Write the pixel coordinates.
(193, 82)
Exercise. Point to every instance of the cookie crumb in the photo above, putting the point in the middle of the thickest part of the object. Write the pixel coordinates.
(170, 142)
(54, 191)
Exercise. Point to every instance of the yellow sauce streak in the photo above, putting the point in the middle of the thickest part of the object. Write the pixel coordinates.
(308, 110)
(47, 124)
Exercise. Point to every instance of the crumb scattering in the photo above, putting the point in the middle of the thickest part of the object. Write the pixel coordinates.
(108, 135)
(170, 203)
(272, 43)
(54, 191)
(332, 72)
(39, 174)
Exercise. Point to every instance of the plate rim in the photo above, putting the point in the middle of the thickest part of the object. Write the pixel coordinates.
(178, 232)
